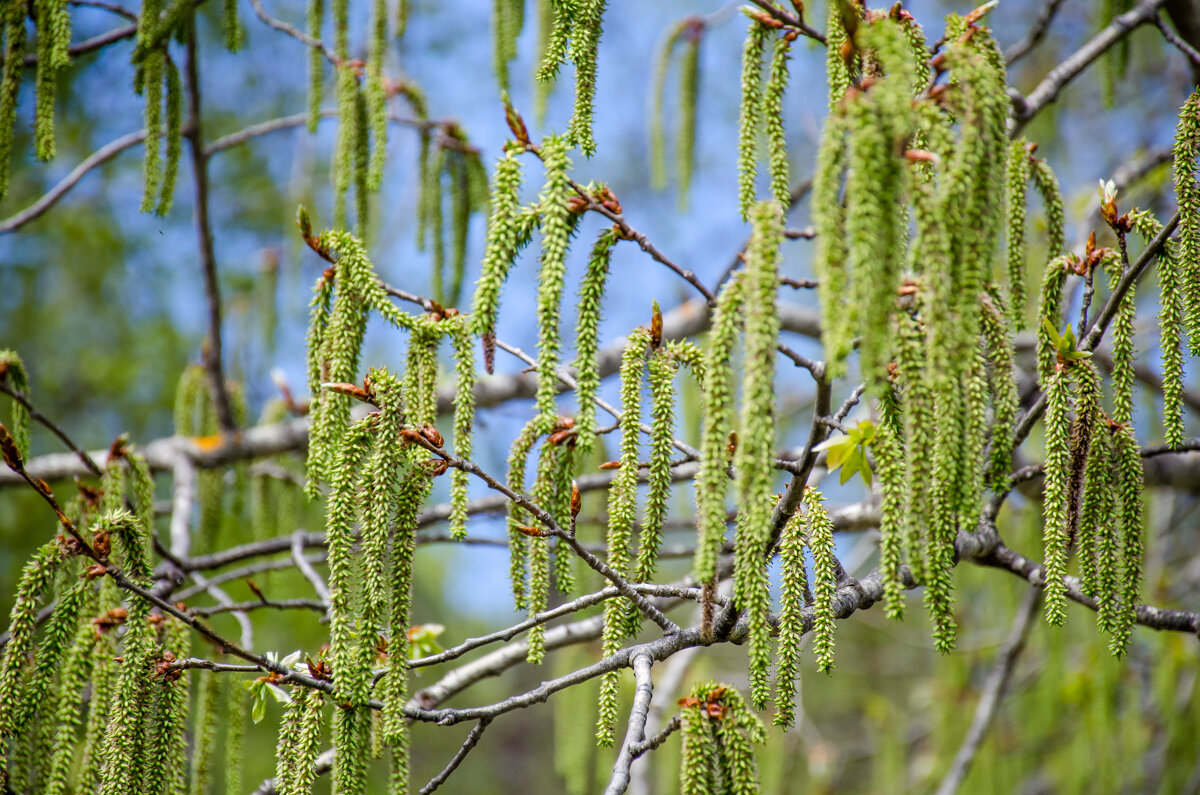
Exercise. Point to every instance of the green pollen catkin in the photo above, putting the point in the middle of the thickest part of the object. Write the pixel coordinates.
(316, 64)
(1187, 194)
(719, 731)
(153, 65)
(36, 578)
(1127, 470)
(13, 373)
(837, 44)
(1056, 535)
(1002, 375)
(13, 19)
(231, 26)
(1016, 179)
(889, 454)
(507, 234)
(658, 138)
(518, 542)
(68, 718)
(755, 455)
(1170, 323)
(376, 96)
(819, 531)
(689, 92)
(1047, 186)
(460, 218)
(54, 38)
(772, 111)
(585, 40)
(174, 147)
(508, 18)
(1050, 312)
(464, 418)
(750, 114)
(662, 368)
(718, 422)
(587, 339)
(794, 595)
(556, 226)
(830, 257)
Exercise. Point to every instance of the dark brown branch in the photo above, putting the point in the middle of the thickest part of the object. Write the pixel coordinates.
(208, 259)
(41, 418)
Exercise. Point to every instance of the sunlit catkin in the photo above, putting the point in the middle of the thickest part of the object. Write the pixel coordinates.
(1187, 194)
(587, 339)
(1016, 179)
(819, 530)
(1057, 468)
(794, 595)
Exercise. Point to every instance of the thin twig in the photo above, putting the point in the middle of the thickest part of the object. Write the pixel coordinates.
(298, 543)
(1036, 33)
(993, 693)
(469, 743)
(208, 259)
(52, 426)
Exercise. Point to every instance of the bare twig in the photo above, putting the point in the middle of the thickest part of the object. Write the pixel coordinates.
(469, 743)
(305, 568)
(993, 692)
(208, 258)
(635, 732)
(52, 426)
(1047, 90)
(1036, 33)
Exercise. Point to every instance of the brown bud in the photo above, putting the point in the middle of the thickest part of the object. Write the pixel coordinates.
(8, 446)
(102, 543)
(733, 441)
(93, 571)
(436, 467)
(433, 436)
(656, 325)
(576, 499)
(611, 465)
(534, 532)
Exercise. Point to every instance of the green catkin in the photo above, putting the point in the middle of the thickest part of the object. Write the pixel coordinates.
(539, 558)
(54, 38)
(1127, 469)
(518, 542)
(819, 530)
(829, 260)
(464, 417)
(433, 197)
(460, 218)
(123, 751)
(718, 422)
(1187, 193)
(917, 418)
(719, 731)
(1057, 468)
(1052, 201)
(662, 368)
(351, 750)
(750, 114)
(508, 18)
(13, 18)
(556, 37)
(288, 740)
(376, 97)
(414, 488)
(889, 454)
(352, 673)
(13, 373)
(874, 184)
(36, 578)
(689, 92)
(622, 512)
(153, 66)
(39, 695)
(375, 508)
(316, 64)
(209, 712)
(231, 26)
(308, 731)
(585, 39)
(68, 718)
(1098, 529)
(559, 506)
(658, 138)
(556, 237)
(587, 339)
(698, 760)
(166, 731)
(1050, 311)
(104, 681)
(1016, 178)
(1094, 487)
(1121, 336)
(362, 163)
(174, 148)
(347, 139)
(794, 594)
(754, 457)
(1003, 386)
(1170, 323)
(837, 69)
(772, 111)
(506, 235)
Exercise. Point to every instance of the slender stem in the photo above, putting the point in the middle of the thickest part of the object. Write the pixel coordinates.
(208, 260)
